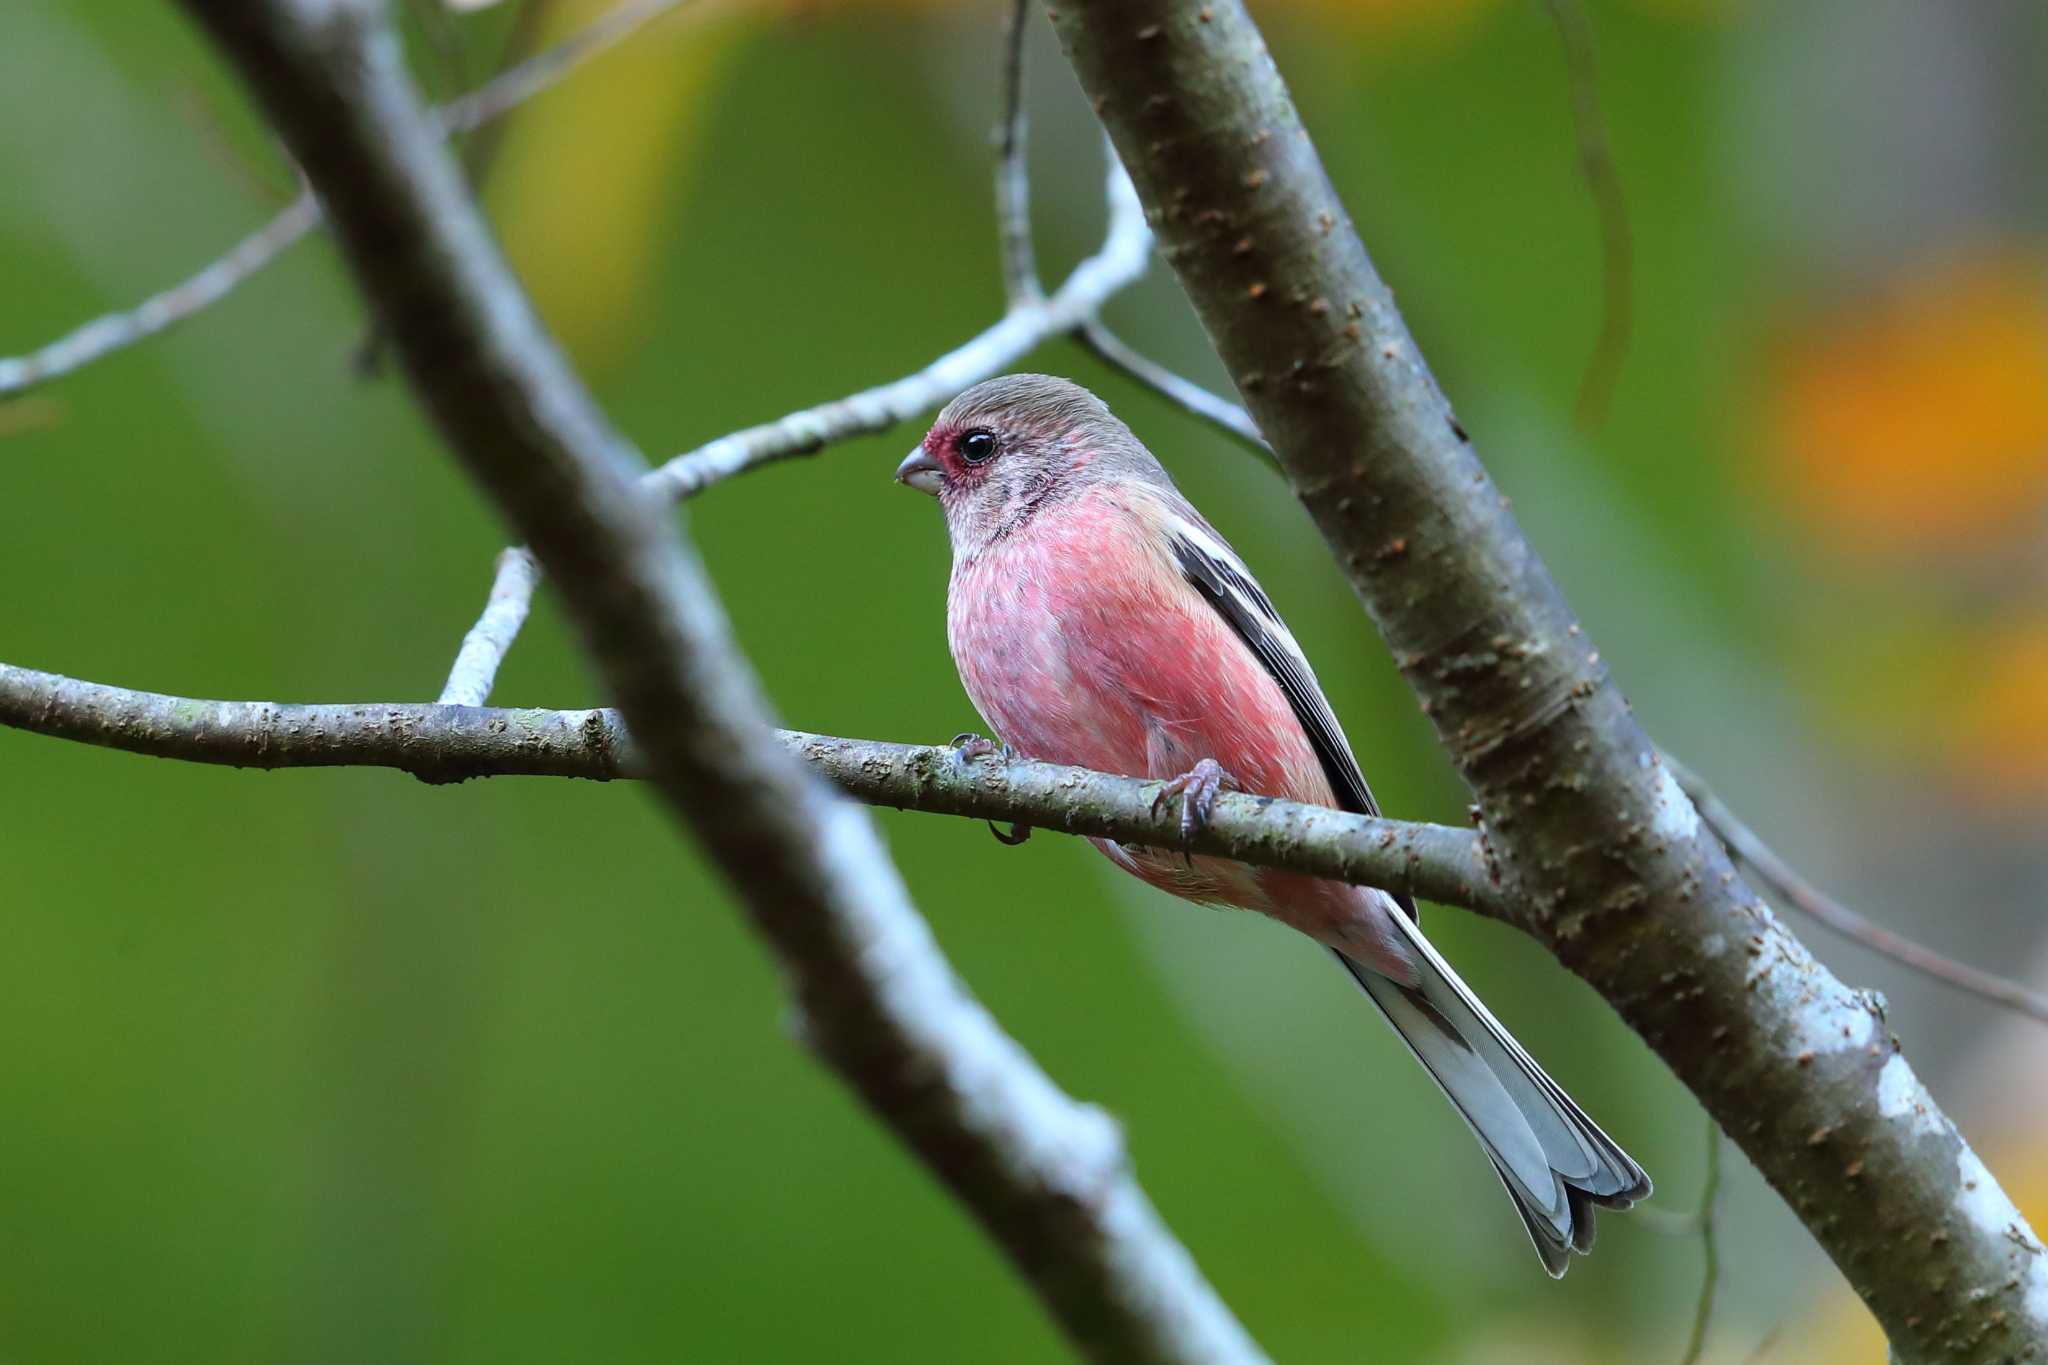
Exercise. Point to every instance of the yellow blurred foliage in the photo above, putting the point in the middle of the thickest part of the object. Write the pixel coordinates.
(1917, 422)
(2002, 719)
(580, 187)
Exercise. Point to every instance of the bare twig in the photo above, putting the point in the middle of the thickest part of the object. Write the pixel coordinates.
(1710, 1250)
(1047, 1177)
(1121, 259)
(483, 648)
(115, 331)
(1794, 890)
(1617, 245)
(112, 331)
(517, 84)
(441, 742)
(1219, 412)
(1013, 173)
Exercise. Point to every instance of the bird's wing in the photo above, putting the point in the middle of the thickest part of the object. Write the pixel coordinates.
(1214, 570)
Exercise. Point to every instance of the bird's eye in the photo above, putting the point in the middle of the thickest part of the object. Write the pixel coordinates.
(976, 447)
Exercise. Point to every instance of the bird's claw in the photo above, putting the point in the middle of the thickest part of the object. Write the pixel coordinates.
(968, 746)
(1197, 789)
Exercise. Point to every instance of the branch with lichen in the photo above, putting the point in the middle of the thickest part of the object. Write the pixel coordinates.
(441, 743)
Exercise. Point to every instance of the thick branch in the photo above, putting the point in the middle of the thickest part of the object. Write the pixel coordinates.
(1624, 882)
(453, 743)
(1046, 1176)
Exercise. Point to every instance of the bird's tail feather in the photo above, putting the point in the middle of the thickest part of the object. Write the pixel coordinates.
(1554, 1161)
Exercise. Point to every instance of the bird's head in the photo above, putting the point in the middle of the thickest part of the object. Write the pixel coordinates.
(1008, 447)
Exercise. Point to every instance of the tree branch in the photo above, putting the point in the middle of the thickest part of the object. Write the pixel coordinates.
(213, 282)
(1126, 245)
(1226, 416)
(111, 332)
(1623, 883)
(1047, 1177)
(483, 649)
(1781, 877)
(453, 743)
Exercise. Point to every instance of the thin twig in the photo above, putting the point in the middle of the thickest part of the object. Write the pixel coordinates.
(1121, 259)
(1710, 1250)
(111, 332)
(1226, 416)
(518, 84)
(442, 742)
(483, 648)
(1013, 173)
(1617, 243)
(1794, 890)
(1119, 262)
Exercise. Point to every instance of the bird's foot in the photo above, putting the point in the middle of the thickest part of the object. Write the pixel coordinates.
(969, 746)
(1197, 789)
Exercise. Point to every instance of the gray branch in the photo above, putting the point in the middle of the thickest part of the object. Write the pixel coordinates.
(1623, 881)
(1126, 246)
(213, 282)
(454, 743)
(483, 648)
(1794, 890)
(1046, 1176)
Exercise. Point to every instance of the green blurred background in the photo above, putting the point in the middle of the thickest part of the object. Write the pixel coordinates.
(336, 1066)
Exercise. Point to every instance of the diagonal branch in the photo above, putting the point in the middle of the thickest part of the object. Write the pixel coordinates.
(1794, 890)
(1226, 416)
(1121, 259)
(1623, 881)
(443, 743)
(213, 282)
(1046, 1176)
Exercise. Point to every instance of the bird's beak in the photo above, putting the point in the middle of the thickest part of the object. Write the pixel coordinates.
(919, 472)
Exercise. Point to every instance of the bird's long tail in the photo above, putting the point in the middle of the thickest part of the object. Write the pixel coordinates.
(1555, 1162)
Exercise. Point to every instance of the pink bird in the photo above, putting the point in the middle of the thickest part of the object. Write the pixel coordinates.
(1098, 620)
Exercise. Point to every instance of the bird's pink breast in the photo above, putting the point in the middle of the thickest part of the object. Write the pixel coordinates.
(1080, 642)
